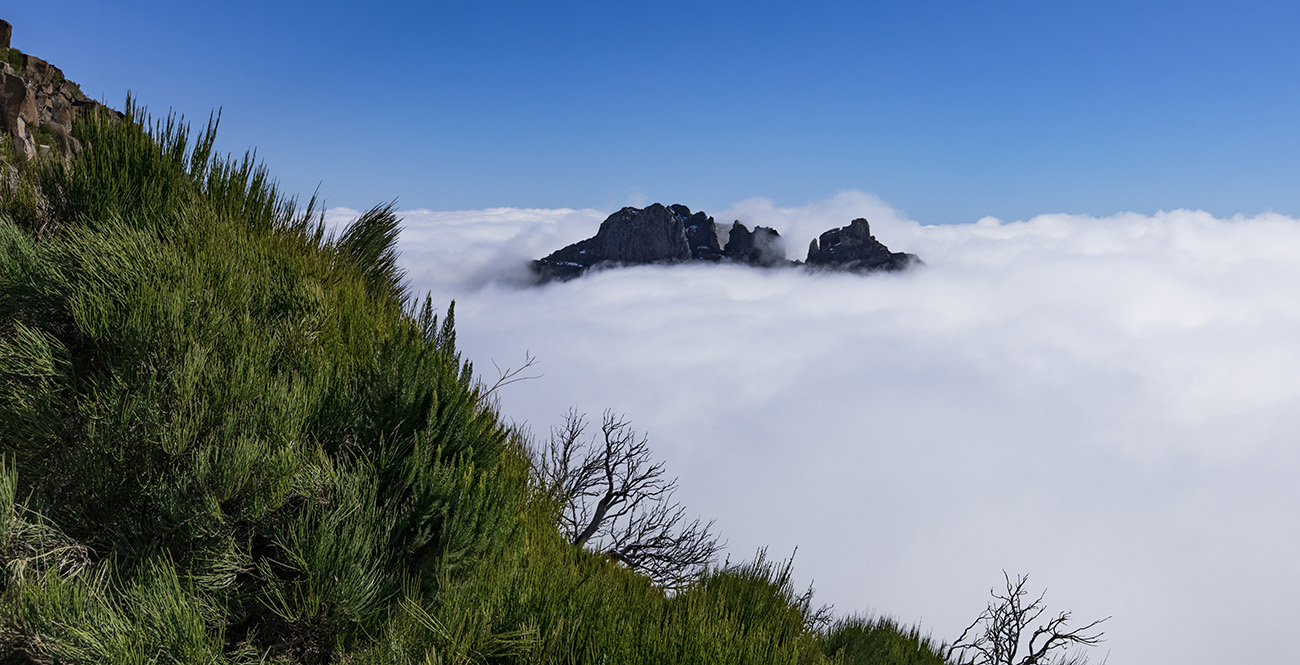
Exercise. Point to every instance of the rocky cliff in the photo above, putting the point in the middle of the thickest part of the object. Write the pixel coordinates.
(673, 234)
(37, 103)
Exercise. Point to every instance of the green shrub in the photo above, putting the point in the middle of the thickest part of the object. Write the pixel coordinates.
(15, 59)
(191, 372)
(43, 135)
(881, 641)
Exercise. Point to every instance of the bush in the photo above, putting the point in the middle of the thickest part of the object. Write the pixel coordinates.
(43, 135)
(863, 640)
(15, 59)
(229, 409)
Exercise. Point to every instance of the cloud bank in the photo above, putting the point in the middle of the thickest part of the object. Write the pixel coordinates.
(1108, 404)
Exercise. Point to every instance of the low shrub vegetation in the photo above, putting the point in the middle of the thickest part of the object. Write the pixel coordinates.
(14, 57)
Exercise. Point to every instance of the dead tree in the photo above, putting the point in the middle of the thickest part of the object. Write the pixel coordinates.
(998, 635)
(617, 500)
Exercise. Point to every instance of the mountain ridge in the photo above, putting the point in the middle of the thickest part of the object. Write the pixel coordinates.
(659, 234)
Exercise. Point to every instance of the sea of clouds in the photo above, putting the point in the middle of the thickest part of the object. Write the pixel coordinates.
(1110, 405)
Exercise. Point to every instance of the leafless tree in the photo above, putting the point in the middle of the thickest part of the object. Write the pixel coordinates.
(618, 501)
(997, 636)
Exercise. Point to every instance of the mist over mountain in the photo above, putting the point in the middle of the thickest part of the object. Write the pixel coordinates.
(1104, 402)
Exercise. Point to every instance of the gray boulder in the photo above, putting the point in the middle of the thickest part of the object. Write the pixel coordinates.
(18, 111)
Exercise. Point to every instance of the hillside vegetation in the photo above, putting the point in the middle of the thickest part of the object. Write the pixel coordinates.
(229, 436)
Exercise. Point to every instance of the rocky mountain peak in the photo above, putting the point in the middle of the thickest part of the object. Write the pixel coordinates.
(659, 234)
(655, 233)
(761, 247)
(853, 247)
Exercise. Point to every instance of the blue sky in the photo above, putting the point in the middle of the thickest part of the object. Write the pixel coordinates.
(949, 111)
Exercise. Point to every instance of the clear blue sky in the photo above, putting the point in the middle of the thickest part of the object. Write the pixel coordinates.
(949, 111)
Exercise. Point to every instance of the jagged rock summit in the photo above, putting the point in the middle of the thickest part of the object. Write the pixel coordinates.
(37, 103)
(673, 234)
(853, 248)
(658, 234)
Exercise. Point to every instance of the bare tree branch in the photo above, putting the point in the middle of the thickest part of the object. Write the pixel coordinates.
(509, 375)
(618, 501)
(997, 635)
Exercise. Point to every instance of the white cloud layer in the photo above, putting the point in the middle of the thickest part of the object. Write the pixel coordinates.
(1109, 404)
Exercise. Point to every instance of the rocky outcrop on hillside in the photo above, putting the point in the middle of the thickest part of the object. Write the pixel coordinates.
(37, 103)
(659, 234)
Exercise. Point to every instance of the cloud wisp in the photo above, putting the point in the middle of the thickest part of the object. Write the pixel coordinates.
(1108, 404)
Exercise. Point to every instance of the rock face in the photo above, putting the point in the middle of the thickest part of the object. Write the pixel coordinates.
(37, 103)
(701, 234)
(853, 248)
(761, 247)
(655, 234)
(673, 234)
(630, 236)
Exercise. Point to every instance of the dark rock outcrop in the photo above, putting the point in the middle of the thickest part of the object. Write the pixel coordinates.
(853, 248)
(673, 234)
(653, 235)
(38, 104)
(701, 234)
(761, 247)
(631, 236)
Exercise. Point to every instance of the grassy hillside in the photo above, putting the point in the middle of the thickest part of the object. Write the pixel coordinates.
(230, 437)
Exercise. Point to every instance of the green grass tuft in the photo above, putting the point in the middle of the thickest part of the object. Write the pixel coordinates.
(15, 59)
